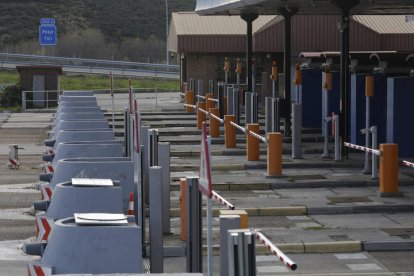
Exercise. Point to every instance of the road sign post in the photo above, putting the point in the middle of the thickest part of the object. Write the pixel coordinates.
(47, 32)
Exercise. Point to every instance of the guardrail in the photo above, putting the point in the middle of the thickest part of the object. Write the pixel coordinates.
(90, 65)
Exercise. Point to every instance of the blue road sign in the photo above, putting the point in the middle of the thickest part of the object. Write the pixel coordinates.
(47, 21)
(47, 35)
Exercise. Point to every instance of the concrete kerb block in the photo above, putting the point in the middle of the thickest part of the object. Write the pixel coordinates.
(332, 247)
(283, 211)
(388, 245)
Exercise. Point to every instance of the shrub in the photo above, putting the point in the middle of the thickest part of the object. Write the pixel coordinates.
(11, 96)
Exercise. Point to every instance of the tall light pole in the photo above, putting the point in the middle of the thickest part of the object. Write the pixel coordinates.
(166, 32)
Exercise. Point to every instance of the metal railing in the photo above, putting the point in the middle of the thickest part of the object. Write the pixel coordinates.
(90, 65)
(40, 99)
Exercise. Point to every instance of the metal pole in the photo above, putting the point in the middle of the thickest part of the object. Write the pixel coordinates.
(374, 156)
(194, 261)
(155, 233)
(248, 108)
(249, 18)
(287, 16)
(166, 32)
(274, 89)
(209, 237)
(113, 101)
(325, 153)
(296, 131)
(156, 97)
(164, 163)
(367, 132)
(126, 134)
(338, 143)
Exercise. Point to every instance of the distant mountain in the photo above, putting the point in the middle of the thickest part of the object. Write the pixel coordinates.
(117, 20)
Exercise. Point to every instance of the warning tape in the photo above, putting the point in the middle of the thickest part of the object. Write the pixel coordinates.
(408, 164)
(222, 200)
(272, 248)
(373, 151)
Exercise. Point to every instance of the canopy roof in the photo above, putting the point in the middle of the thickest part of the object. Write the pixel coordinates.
(236, 7)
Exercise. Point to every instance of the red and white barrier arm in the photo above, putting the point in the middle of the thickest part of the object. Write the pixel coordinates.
(190, 105)
(217, 118)
(257, 136)
(181, 94)
(204, 111)
(352, 146)
(213, 100)
(201, 97)
(408, 164)
(276, 251)
(222, 200)
(242, 129)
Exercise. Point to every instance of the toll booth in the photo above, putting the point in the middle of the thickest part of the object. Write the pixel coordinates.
(40, 79)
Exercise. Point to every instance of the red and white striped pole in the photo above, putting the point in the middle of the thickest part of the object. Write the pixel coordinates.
(222, 200)
(131, 211)
(276, 251)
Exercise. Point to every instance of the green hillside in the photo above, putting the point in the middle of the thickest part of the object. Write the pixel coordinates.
(117, 21)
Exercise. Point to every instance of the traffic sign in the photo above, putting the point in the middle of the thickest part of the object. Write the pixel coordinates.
(47, 21)
(47, 35)
(204, 180)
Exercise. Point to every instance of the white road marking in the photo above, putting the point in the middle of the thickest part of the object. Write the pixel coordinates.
(364, 267)
(267, 269)
(352, 256)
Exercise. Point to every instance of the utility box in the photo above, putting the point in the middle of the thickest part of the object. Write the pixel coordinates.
(40, 79)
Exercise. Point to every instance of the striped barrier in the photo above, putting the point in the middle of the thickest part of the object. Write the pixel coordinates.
(276, 251)
(408, 164)
(222, 200)
(388, 178)
(273, 142)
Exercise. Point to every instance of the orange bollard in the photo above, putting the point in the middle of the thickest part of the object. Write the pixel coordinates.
(389, 170)
(229, 131)
(274, 154)
(214, 124)
(183, 204)
(201, 116)
(252, 143)
(209, 104)
(189, 99)
(225, 105)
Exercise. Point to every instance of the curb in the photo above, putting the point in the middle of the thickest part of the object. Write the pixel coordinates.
(294, 248)
(255, 212)
(388, 245)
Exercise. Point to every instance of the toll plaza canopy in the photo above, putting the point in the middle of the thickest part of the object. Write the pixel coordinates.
(237, 7)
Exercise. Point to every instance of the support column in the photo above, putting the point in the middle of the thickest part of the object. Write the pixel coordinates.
(249, 18)
(345, 7)
(287, 15)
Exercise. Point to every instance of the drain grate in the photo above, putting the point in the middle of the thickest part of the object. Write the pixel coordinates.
(348, 199)
(400, 232)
